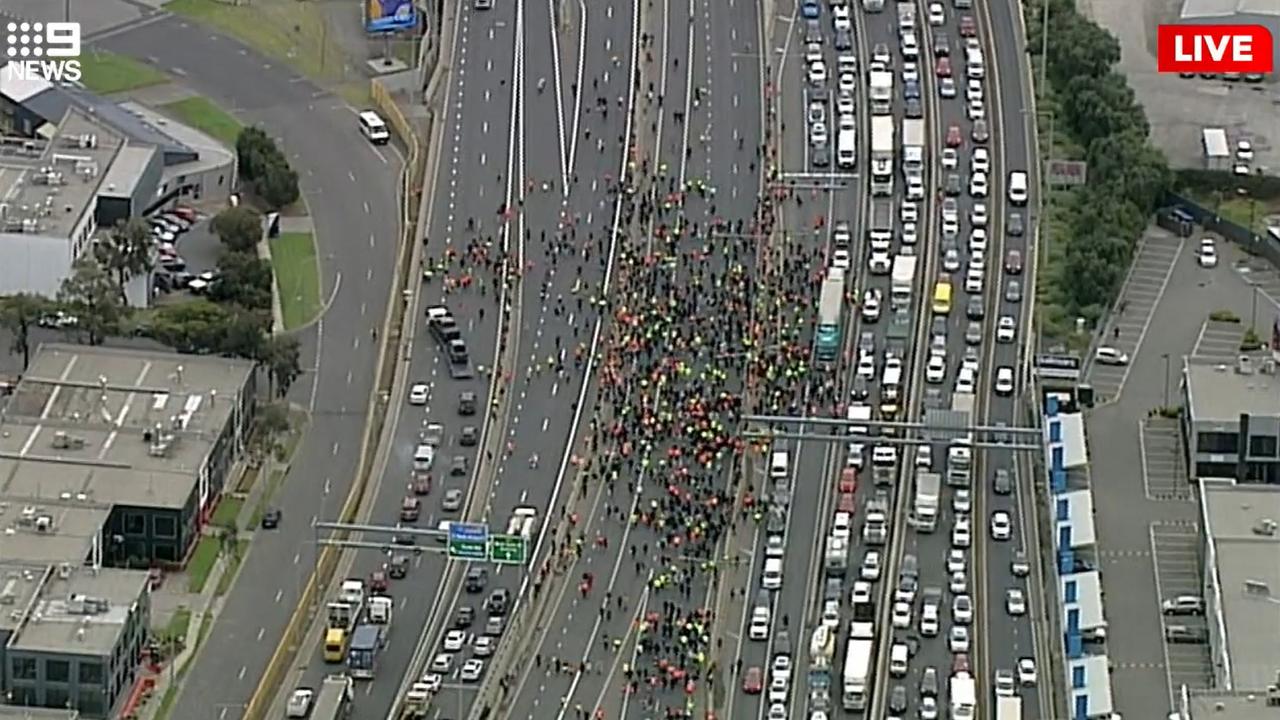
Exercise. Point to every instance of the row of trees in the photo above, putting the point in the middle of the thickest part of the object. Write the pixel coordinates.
(1096, 109)
(264, 168)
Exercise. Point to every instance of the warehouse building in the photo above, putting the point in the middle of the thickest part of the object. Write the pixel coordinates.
(1231, 419)
(1235, 12)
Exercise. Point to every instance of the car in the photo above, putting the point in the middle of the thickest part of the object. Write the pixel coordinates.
(937, 16)
(942, 69)
(1001, 525)
(871, 305)
(831, 613)
(909, 45)
(978, 240)
(419, 393)
(779, 688)
(753, 680)
(842, 525)
(847, 82)
(495, 624)
(962, 609)
(1019, 566)
(477, 578)
(842, 17)
(1026, 671)
(928, 708)
(775, 546)
(861, 389)
(910, 72)
(1013, 262)
(958, 639)
(968, 28)
(980, 134)
(861, 593)
(951, 259)
(398, 566)
(464, 616)
(961, 501)
(469, 436)
(818, 133)
(781, 662)
(821, 156)
(978, 215)
(1015, 602)
(880, 54)
(1106, 355)
(954, 139)
(758, 629)
(915, 187)
(442, 663)
(482, 4)
(777, 711)
(472, 669)
(818, 73)
(299, 703)
(810, 9)
(842, 234)
(817, 112)
(1013, 292)
(1004, 684)
(957, 561)
(936, 371)
(980, 161)
(913, 108)
(1002, 482)
(455, 640)
(950, 158)
(866, 366)
(843, 39)
(870, 570)
(1013, 225)
(911, 90)
(466, 403)
(958, 583)
(846, 104)
(498, 602)
(951, 186)
(484, 646)
(901, 615)
(1207, 255)
(841, 259)
(1004, 380)
(961, 535)
(1183, 605)
(1006, 329)
(271, 518)
(1244, 151)
(459, 465)
(946, 88)
(973, 333)
(978, 184)
(432, 682)
(974, 308)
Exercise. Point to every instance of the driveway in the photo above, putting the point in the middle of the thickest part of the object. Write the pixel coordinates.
(350, 188)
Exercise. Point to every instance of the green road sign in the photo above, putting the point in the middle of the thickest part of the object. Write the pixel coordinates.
(468, 541)
(507, 549)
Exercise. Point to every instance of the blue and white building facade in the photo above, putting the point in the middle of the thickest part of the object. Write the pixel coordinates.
(1080, 608)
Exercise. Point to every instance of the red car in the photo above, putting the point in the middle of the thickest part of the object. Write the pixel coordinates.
(954, 138)
(846, 503)
(943, 68)
(753, 681)
(378, 581)
(968, 28)
(421, 485)
(848, 480)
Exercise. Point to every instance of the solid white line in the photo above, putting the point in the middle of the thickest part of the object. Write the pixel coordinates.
(688, 97)
(1164, 646)
(577, 99)
(1146, 324)
(1142, 455)
(555, 68)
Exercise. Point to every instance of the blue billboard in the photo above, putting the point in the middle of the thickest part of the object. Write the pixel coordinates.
(389, 15)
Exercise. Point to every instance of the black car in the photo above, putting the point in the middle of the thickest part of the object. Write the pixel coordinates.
(914, 109)
(498, 602)
(898, 699)
(403, 538)
(953, 186)
(821, 155)
(1013, 226)
(974, 309)
(477, 579)
(445, 329)
(860, 389)
(470, 436)
(1002, 482)
(464, 617)
(467, 403)
(271, 518)
(844, 40)
(459, 466)
(398, 568)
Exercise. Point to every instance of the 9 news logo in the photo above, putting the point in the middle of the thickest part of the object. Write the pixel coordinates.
(46, 51)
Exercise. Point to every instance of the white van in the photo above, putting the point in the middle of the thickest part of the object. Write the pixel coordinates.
(898, 660)
(1018, 188)
(423, 457)
(374, 128)
(779, 465)
(975, 67)
(771, 579)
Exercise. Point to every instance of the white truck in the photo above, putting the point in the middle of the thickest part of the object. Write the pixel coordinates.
(836, 560)
(857, 674)
(333, 702)
(1008, 708)
(880, 230)
(880, 87)
(875, 528)
(964, 696)
(858, 448)
(822, 649)
(927, 501)
(380, 607)
(913, 146)
(345, 610)
(959, 464)
(882, 140)
(903, 280)
(846, 148)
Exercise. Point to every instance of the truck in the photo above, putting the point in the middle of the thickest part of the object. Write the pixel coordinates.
(927, 501)
(836, 560)
(846, 148)
(903, 279)
(959, 464)
(342, 614)
(858, 412)
(822, 648)
(379, 612)
(333, 702)
(875, 529)
(913, 147)
(882, 142)
(964, 696)
(880, 84)
(880, 229)
(362, 656)
(857, 674)
(1008, 708)
(830, 305)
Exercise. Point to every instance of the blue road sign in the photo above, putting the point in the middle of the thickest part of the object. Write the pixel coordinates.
(468, 541)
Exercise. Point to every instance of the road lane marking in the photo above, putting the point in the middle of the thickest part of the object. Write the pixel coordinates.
(351, 175)
(261, 632)
(280, 593)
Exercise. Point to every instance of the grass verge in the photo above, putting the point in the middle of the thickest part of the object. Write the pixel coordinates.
(294, 32)
(202, 561)
(201, 114)
(106, 73)
(178, 625)
(232, 568)
(293, 256)
(228, 512)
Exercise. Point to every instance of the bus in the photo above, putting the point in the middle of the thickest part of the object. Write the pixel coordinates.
(942, 297)
(335, 645)
(830, 305)
(362, 655)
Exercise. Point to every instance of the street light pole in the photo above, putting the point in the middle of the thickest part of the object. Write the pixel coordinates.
(1253, 309)
(1166, 379)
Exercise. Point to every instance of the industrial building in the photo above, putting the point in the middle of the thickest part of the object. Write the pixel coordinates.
(1241, 545)
(1235, 12)
(1231, 419)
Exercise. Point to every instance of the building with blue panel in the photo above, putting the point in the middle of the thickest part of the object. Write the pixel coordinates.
(1081, 614)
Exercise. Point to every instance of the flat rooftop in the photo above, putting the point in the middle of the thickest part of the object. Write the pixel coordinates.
(1219, 393)
(115, 426)
(1236, 520)
(83, 613)
(16, 712)
(19, 583)
(49, 195)
(1226, 705)
(46, 532)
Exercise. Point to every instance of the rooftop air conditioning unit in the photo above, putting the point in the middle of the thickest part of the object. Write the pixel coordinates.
(1265, 527)
(44, 524)
(1244, 365)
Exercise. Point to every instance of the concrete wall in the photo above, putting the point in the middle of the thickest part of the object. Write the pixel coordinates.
(34, 263)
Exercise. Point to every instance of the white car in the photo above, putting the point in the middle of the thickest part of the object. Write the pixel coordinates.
(818, 134)
(901, 615)
(962, 609)
(978, 240)
(841, 259)
(924, 457)
(937, 16)
(973, 285)
(973, 89)
(775, 546)
(779, 687)
(951, 260)
(981, 160)
(929, 624)
(817, 73)
(871, 305)
(1004, 381)
(777, 711)
(846, 105)
(928, 708)
(950, 158)
(455, 640)
(781, 667)
(977, 261)
(965, 381)
(472, 670)
(1006, 329)
(1207, 255)
(1001, 525)
(958, 640)
(910, 233)
(299, 703)
(910, 72)
(909, 212)
(419, 393)
(961, 533)
(976, 109)
(871, 566)
(950, 227)
(957, 561)
(842, 525)
(958, 583)
(978, 184)
(867, 366)
(831, 614)
(961, 501)
(1015, 602)
(861, 593)
(841, 19)
(910, 46)
(978, 215)
(936, 371)
(1110, 356)
(848, 82)
(433, 681)
(442, 663)
(880, 263)
(1244, 151)
(484, 646)
(1027, 671)
(915, 188)
(1004, 683)
(946, 88)
(759, 627)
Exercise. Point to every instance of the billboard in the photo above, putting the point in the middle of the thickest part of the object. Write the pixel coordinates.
(389, 15)
(1066, 173)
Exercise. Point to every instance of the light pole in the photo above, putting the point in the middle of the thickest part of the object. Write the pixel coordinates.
(1166, 380)
(1253, 309)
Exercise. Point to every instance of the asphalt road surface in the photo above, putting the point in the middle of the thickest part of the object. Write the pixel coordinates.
(351, 190)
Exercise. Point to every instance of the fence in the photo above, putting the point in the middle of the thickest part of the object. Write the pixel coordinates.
(1178, 210)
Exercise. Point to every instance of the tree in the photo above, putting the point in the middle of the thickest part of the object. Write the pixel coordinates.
(253, 145)
(1078, 47)
(17, 313)
(278, 185)
(282, 356)
(1100, 107)
(239, 228)
(243, 279)
(126, 251)
(246, 334)
(198, 327)
(91, 295)
(1131, 168)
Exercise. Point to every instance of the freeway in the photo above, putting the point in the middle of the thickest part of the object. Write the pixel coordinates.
(352, 198)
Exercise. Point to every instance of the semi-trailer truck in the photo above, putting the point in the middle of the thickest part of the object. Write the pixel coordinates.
(927, 501)
(880, 86)
(882, 144)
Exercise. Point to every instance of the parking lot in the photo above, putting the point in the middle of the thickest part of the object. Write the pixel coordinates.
(1257, 271)
(1148, 277)
(1175, 549)
(1163, 470)
(1218, 341)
